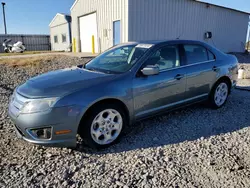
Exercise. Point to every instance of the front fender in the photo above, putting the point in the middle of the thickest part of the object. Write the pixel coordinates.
(86, 98)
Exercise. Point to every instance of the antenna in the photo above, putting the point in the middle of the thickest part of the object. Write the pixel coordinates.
(179, 36)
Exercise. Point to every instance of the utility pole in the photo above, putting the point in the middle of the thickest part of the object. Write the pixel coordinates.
(4, 20)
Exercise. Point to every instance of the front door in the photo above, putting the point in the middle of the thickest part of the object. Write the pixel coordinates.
(201, 71)
(117, 32)
(153, 94)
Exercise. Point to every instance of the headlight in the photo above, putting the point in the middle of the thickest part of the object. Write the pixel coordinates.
(38, 105)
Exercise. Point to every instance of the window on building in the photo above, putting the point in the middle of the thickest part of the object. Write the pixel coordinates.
(166, 58)
(64, 38)
(197, 54)
(55, 39)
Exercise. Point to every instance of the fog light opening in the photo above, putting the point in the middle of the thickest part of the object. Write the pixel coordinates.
(42, 133)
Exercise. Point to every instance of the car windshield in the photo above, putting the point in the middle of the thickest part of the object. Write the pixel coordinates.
(118, 59)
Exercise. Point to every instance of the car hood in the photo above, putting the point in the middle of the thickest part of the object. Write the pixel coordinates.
(61, 82)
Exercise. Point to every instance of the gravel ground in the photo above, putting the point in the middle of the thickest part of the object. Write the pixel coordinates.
(191, 147)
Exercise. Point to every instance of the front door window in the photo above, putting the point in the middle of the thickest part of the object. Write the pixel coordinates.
(166, 58)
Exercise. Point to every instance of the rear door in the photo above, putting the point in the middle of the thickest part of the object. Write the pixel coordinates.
(156, 93)
(201, 70)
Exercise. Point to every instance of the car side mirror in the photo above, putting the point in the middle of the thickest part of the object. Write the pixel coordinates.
(150, 70)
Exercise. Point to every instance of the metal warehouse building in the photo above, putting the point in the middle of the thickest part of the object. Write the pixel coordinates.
(60, 32)
(99, 24)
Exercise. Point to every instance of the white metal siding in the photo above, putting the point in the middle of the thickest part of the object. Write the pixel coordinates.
(107, 12)
(169, 19)
(58, 20)
(60, 26)
(58, 31)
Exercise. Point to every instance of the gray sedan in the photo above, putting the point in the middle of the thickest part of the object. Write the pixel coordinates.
(127, 83)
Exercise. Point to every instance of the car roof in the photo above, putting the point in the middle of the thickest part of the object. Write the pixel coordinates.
(155, 42)
(176, 41)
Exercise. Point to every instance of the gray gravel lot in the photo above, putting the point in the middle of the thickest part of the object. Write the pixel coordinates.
(191, 147)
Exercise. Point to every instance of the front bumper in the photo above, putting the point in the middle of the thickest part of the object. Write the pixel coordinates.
(49, 143)
(64, 118)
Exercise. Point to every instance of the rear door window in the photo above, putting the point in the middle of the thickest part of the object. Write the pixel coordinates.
(197, 54)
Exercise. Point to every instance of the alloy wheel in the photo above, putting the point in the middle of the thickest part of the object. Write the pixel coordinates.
(221, 94)
(106, 126)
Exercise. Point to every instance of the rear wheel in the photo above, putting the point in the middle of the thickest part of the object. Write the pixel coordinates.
(219, 95)
(103, 125)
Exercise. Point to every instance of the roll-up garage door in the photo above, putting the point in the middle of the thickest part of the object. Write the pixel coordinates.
(88, 29)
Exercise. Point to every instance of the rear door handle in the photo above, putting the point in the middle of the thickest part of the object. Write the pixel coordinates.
(179, 76)
(215, 68)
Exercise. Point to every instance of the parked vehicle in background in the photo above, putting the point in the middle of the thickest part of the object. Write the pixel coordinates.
(125, 84)
(18, 47)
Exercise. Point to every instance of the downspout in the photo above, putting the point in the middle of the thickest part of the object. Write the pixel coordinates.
(69, 20)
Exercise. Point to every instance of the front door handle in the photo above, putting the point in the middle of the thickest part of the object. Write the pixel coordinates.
(179, 76)
(215, 69)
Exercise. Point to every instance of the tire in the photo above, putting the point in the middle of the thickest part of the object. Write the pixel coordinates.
(219, 94)
(100, 123)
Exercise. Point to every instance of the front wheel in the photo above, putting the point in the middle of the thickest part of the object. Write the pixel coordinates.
(219, 95)
(103, 125)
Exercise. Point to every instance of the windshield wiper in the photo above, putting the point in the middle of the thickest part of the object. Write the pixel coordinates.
(101, 70)
(92, 69)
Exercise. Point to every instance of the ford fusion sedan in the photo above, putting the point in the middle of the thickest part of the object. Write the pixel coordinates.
(127, 83)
